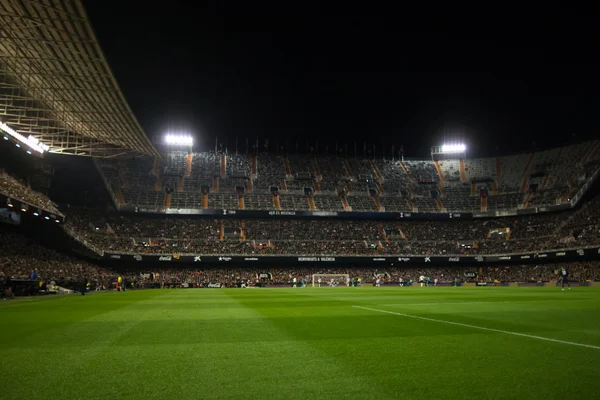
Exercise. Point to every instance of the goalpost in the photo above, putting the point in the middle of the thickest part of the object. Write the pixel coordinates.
(330, 280)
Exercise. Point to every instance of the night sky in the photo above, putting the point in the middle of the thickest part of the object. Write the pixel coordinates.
(350, 79)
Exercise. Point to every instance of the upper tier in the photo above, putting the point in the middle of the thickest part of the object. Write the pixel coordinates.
(186, 180)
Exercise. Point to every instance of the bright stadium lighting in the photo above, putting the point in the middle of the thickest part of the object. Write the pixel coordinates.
(454, 148)
(179, 140)
(29, 141)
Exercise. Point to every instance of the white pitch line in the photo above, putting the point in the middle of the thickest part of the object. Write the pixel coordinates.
(481, 328)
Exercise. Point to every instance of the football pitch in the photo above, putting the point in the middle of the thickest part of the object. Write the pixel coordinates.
(304, 343)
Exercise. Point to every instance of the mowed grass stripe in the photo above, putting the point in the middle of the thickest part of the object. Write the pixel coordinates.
(480, 327)
(304, 343)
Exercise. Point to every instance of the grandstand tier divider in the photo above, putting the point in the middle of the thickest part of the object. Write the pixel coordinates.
(311, 203)
(287, 169)
(403, 164)
(348, 168)
(441, 190)
(524, 185)
(527, 199)
(283, 185)
(441, 173)
(317, 187)
(223, 166)
(383, 233)
(380, 208)
(376, 170)
(276, 202)
(243, 231)
(188, 164)
(318, 175)
(346, 205)
(254, 167)
(463, 171)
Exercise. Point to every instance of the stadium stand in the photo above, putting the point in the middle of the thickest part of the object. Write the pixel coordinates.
(537, 232)
(19, 256)
(18, 190)
(531, 180)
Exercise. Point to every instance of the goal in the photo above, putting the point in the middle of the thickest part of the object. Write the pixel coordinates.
(330, 280)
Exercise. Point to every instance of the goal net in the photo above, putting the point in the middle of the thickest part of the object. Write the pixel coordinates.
(330, 280)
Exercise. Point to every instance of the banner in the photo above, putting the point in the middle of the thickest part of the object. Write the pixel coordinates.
(397, 260)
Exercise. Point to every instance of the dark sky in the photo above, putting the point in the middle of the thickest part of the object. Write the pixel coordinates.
(352, 78)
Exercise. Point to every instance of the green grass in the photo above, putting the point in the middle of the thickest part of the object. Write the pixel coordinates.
(303, 343)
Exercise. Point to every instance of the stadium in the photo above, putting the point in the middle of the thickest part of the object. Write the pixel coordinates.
(374, 274)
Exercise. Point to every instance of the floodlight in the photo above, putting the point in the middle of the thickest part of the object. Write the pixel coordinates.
(454, 148)
(179, 140)
(30, 141)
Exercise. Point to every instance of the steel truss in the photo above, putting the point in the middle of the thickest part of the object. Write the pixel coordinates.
(56, 85)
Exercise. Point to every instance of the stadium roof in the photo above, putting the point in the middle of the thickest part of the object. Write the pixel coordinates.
(56, 85)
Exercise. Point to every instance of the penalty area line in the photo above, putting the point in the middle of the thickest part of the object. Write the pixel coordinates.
(589, 346)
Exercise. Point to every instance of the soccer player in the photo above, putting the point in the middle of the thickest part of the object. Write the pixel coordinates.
(421, 280)
(295, 281)
(401, 282)
(564, 274)
(319, 280)
(377, 283)
(435, 281)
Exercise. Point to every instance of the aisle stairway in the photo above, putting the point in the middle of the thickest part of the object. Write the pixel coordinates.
(223, 166)
(188, 164)
(463, 171)
(276, 202)
(441, 173)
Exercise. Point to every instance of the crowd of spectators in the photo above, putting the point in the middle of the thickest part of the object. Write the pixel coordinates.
(18, 190)
(186, 235)
(552, 176)
(20, 256)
